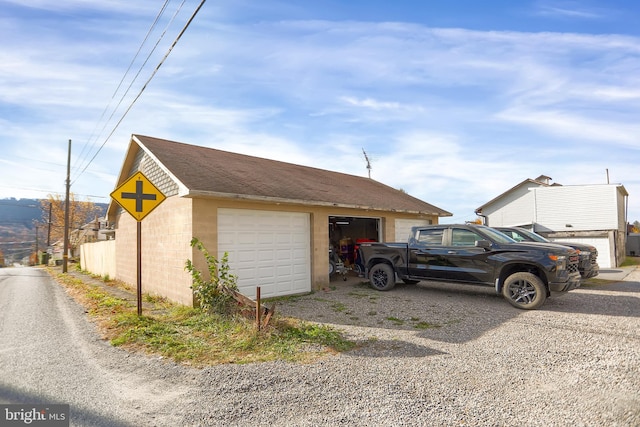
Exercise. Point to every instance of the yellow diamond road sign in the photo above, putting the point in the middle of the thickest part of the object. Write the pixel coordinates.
(138, 196)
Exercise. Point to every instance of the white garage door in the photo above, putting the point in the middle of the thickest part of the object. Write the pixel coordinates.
(403, 227)
(267, 249)
(601, 244)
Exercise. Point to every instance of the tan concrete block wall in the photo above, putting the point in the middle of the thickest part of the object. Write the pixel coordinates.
(166, 236)
(319, 249)
(205, 228)
(99, 258)
(125, 239)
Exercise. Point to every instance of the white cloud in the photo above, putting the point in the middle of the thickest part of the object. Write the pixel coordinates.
(371, 103)
(80, 5)
(575, 127)
(571, 10)
(448, 114)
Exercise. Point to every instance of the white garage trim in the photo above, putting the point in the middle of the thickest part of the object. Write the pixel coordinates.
(268, 249)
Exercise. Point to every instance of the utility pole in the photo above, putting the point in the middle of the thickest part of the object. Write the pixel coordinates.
(37, 257)
(65, 254)
(46, 258)
(49, 228)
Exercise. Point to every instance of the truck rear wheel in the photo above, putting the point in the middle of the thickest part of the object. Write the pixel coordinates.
(382, 277)
(524, 290)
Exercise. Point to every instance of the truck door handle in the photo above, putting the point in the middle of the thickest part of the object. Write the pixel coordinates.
(452, 252)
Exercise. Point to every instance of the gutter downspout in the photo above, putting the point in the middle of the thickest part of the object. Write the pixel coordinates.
(485, 219)
(535, 209)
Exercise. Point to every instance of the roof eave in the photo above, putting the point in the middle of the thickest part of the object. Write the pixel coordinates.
(282, 200)
(478, 211)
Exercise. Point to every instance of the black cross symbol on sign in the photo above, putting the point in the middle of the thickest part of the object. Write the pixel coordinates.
(139, 196)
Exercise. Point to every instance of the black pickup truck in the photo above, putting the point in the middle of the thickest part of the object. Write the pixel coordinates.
(524, 273)
(588, 265)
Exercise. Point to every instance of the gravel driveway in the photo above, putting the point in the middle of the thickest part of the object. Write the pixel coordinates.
(443, 355)
(430, 355)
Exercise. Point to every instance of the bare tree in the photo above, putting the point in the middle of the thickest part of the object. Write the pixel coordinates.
(80, 213)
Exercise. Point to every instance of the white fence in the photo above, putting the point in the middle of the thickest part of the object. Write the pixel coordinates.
(99, 258)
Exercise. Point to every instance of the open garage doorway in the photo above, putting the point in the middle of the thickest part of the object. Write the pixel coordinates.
(345, 233)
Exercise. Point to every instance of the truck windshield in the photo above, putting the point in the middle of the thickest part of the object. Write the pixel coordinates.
(497, 236)
(535, 237)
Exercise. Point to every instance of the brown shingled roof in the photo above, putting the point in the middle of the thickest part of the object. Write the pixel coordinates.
(207, 171)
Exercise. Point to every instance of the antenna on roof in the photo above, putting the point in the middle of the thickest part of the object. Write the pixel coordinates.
(368, 162)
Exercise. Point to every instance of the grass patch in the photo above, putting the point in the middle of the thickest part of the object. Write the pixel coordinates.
(155, 299)
(395, 320)
(359, 294)
(286, 298)
(363, 284)
(630, 261)
(597, 281)
(338, 307)
(594, 282)
(373, 297)
(194, 337)
(425, 325)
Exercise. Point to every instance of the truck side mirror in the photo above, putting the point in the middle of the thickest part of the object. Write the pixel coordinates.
(485, 244)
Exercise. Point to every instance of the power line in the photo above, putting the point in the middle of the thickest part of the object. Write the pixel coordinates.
(175, 42)
(31, 160)
(11, 203)
(50, 192)
(30, 242)
(146, 37)
(138, 74)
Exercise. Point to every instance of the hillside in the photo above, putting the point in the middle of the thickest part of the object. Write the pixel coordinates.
(18, 219)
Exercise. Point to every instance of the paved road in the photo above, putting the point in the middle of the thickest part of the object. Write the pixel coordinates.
(49, 353)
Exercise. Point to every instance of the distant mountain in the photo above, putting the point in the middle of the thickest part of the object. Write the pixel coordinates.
(18, 219)
(19, 212)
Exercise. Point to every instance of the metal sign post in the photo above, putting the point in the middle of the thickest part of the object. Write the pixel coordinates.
(138, 196)
(139, 266)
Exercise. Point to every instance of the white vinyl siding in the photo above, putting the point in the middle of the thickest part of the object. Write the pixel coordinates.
(269, 249)
(577, 208)
(514, 209)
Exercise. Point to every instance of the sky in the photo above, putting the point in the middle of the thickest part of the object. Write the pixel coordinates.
(454, 102)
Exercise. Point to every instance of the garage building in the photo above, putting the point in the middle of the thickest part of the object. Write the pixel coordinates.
(278, 221)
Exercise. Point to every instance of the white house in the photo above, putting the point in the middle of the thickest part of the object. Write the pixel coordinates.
(593, 214)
